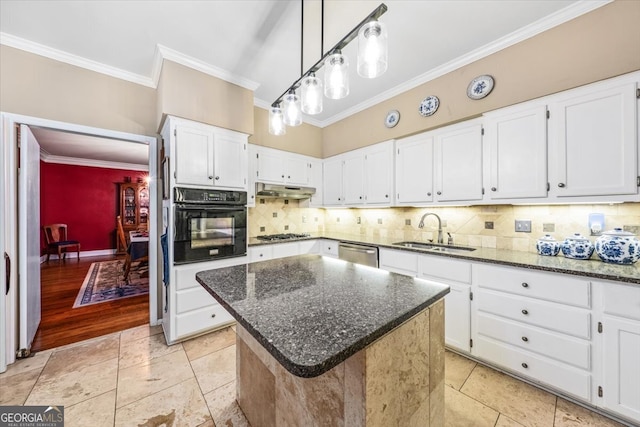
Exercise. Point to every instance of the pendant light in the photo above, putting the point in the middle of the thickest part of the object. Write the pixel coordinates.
(291, 110)
(276, 121)
(311, 93)
(372, 49)
(336, 76)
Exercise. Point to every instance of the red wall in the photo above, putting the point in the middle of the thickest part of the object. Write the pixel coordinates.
(85, 198)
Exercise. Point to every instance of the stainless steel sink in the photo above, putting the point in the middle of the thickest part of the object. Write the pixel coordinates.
(435, 248)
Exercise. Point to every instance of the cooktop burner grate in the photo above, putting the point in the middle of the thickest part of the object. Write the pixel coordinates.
(284, 236)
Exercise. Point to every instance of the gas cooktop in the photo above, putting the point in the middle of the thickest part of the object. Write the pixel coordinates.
(284, 236)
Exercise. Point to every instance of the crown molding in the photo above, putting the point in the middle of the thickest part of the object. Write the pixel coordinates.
(203, 67)
(68, 58)
(49, 158)
(560, 17)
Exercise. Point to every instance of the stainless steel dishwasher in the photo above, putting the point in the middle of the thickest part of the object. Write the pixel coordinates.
(358, 254)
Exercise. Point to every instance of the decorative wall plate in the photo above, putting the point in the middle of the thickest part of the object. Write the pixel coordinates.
(429, 105)
(480, 87)
(392, 119)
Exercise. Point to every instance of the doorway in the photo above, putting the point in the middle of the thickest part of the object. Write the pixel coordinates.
(13, 323)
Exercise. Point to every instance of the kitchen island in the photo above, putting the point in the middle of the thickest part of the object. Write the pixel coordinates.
(327, 342)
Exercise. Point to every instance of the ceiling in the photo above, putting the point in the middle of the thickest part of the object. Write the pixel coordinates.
(257, 42)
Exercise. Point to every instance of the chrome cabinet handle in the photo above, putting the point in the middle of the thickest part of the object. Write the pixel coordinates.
(283, 176)
(494, 189)
(360, 197)
(429, 194)
(524, 365)
(210, 176)
(525, 285)
(561, 184)
(217, 178)
(439, 193)
(213, 315)
(386, 195)
(525, 339)
(525, 312)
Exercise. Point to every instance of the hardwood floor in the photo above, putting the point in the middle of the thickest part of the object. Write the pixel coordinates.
(61, 324)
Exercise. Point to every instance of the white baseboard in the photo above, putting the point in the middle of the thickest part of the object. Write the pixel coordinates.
(83, 254)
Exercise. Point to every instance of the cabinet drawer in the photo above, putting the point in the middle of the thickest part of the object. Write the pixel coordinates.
(260, 253)
(538, 368)
(282, 250)
(443, 268)
(309, 247)
(193, 299)
(568, 320)
(547, 286)
(186, 278)
(201, 320)
(330, 248)
(621, 300)
(399, 261)
(559, 347)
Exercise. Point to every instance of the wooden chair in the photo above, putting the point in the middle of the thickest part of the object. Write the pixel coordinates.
(55, 236)
(123, 241)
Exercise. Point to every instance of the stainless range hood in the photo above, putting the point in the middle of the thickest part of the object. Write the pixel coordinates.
(283, 191)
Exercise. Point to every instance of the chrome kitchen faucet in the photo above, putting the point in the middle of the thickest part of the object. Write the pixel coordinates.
(421, 225)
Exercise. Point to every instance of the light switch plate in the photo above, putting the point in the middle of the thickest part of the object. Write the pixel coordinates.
(523, 226)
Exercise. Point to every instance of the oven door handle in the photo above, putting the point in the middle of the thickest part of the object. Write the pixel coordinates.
(208, 208)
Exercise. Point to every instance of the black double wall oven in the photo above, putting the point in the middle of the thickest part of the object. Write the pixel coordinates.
(209, 225)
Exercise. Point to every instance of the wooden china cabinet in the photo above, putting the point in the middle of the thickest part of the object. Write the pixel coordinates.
(134, 207)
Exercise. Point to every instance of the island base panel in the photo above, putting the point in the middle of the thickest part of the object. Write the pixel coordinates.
(397, 380)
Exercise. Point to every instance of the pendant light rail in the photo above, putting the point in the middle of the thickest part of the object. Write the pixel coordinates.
(373, 16)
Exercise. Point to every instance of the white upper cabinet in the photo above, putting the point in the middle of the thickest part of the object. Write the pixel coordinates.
(207, 156)
(379, 174)
(458, 162)
(353, 179)
(253, 170)
(360, 177)
(315, 181)
(194, 156)
(332, 181)
(593, 141)
(281, 167)
(414, 170)
(515, 139)
(230, 161)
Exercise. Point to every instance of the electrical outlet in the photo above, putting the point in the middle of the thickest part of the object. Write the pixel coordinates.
(286, 227)
(262, 229)
(379, 220)
(523, 226)
(444, 222)
(304, 219)
(358, 220)
(407, 222)
(488, 225)
(548, 227)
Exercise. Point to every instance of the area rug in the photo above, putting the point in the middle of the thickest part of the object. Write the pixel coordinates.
(105, 282)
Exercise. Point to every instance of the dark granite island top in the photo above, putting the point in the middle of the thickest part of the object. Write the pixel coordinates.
(312, 313)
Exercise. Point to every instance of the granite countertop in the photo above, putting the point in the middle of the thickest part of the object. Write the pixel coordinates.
(557, 264)
(312, 312)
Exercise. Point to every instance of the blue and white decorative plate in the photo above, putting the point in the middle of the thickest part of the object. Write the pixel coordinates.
(480, 87)
(392, 119)
(428, 106)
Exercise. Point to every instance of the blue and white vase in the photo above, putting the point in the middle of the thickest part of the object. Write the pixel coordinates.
(547, 245)
(618, 247)
(577, 247)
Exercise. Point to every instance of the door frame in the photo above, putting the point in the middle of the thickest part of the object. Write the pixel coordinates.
(8, 181)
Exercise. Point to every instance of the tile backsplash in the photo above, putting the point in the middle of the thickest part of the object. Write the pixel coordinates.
(485, 226)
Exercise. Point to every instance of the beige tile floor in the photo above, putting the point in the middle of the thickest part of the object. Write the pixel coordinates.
(132, 378)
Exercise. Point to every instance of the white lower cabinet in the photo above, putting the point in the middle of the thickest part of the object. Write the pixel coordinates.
(441, 270)
(329, 248)
(535, 324)
(260, 253)
(620, 319)
(191, 309)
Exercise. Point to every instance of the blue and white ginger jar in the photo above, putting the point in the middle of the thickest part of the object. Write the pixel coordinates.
(618, 247)
(547, 245)
(577, 247)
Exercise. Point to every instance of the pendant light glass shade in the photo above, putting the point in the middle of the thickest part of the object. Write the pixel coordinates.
(336, 76)
(311, 93)
(276, 121)
(372, 49)
(291, 110)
